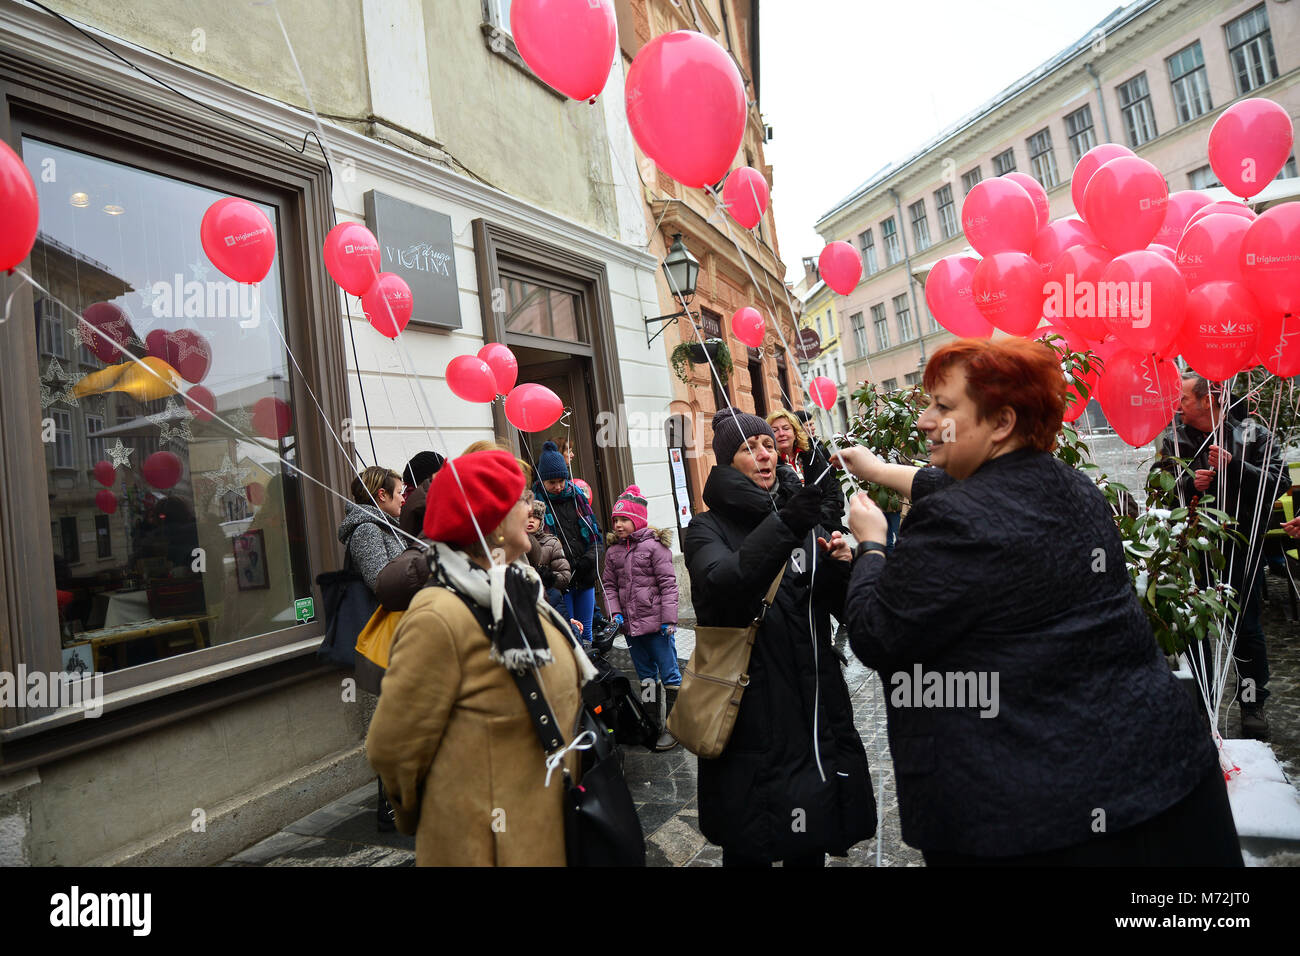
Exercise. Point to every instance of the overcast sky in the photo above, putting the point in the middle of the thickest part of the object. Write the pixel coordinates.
(851, 85)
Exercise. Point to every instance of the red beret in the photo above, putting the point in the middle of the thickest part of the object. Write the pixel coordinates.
(492, 482)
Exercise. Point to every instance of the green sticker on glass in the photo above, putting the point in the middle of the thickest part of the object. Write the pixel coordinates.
(304, 608)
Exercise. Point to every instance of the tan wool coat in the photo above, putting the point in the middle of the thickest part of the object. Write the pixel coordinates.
(455, 746)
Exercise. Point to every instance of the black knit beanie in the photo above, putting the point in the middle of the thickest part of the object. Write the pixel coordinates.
(423, 465)
(728, 425)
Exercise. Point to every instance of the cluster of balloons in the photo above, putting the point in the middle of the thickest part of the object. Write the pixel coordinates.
(1144, 276)
(530, 407)
(352, 260)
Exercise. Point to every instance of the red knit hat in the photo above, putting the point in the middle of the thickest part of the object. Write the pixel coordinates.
(631, 504)
(492, 482)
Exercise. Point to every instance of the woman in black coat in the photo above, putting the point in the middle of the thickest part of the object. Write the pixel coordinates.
(793, 782)
(1032, 718)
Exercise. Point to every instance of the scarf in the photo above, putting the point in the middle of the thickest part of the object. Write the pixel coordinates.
(586, 519)
(513, 595)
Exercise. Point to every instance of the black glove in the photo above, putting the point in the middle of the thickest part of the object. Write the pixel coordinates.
(548, 577)
(821, 473)
(804, 509)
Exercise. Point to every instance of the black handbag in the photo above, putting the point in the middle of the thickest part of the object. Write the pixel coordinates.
(614, 700)
(349, 605)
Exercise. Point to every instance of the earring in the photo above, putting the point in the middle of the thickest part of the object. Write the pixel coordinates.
(501, 539)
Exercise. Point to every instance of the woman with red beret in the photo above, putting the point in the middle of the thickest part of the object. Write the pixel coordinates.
(452, 739)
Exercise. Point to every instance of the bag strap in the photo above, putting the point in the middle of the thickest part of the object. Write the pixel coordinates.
(770, 596)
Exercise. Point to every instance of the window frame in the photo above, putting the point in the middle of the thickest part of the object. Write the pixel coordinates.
(859, 326)
(966, 183)
(868, 251)
(893, 247)
(946, 207)
(1267, 34)
(920, 225)
(1072, 136)
(1010, 151)
(1042, 142)
(1178, 85)
(903, 313)
(1140, 104)
(880, 322)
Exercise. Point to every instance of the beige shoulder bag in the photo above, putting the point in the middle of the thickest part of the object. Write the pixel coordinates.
(714, 681)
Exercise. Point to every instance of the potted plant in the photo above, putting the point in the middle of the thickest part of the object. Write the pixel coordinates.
(693, 353)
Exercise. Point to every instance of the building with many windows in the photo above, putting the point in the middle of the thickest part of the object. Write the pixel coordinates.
(1154, 75)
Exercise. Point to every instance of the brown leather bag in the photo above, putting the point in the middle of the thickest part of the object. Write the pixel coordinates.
(713, 682)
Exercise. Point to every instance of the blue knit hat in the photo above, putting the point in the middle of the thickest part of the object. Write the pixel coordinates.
(550, 463)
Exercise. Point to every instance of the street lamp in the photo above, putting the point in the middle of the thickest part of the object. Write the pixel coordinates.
(682, 270)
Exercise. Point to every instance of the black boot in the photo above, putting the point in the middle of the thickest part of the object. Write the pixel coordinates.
(1254, 722)
(667, 698)
(385, 819)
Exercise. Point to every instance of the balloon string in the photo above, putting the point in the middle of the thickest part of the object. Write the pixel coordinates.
(9, 302)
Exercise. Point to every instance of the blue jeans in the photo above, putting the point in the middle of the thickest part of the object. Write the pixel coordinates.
(892, 520)
(579, 606)
(655, 657)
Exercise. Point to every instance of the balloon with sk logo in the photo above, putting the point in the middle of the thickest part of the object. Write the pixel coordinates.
(1008, 289)
(1210, 248)
(999, 216)
(950, 299)
(745, 194)
(387, 304)
(1088, 164)
(1142, 298)
(1221, 331)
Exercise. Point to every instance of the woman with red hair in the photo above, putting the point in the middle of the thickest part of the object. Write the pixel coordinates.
(1032, 719)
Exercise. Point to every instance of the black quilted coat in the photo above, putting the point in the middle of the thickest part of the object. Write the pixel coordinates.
(765, 796)
(1018, 571)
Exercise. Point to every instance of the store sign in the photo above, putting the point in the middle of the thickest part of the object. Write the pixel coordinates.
(416, 244)
(808, 345)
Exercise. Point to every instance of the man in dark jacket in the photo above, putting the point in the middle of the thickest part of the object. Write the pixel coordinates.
(1245, 475)
(793, 782)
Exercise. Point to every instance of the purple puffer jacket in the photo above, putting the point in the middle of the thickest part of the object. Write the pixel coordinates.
(640, 582)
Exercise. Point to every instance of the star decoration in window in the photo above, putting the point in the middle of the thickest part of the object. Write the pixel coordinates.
(228, 479)
(121, 455)
(57, 385)
(241, 421)
(173, 424)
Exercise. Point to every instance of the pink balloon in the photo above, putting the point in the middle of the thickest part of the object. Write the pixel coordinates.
(1089, 163)
(1143, 299)
(999, 216)
(352, 257)
(746, 195)
(272, 418)
(823, 391)
(1270, 258)
(238, 239)
(841, 266)
(569, 44)
(190, 354)
(162, 469)
(21, 212)
(1059, 235)
(504, 365)
(1125, 203)
(1036, 192)
(387, 304)
(105, 473)
(749, 326)
(686, 106)
(1217, 208)
(106, 501)
(1072, 287)
(1178, 210)
(1210, 249)
(1075, 343)
(1165, 251)
(949, 297)
(1279, 343)
(201, 403)
(1249, 144)
(1138, 393)
(156, 342)
(1008, 289)
(532, 407)
(114, 323)
(471, 378)
(1221, 331)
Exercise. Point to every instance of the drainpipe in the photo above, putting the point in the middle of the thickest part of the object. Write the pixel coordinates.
(911, 280)
(1101, 103)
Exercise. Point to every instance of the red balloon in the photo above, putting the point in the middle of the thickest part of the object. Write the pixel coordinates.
(1221, 331)
(1075, 343)
(949, 297)
(471, 378)
(569, 44)
(1072, 289)
(272, 417)
(201, 403)
(1008, 289)
(686, 106)
(105, 473)
(1125, 203)
(114, 323)
(352, 257)
(1279, 343)
(21, 212)
(1088, 164)
(1036, 192)
(1249, 144)
(1059, 235)
(1142, 298)
(238, 239)
(504, 365)
(1216, 208)
(1178, 210)
(190, 354)
(106, 501)
(823, 391)
(1165, 251)
(64, 597)
(999, 216)
(841, 266)
(532, 407)
(1138, 393)
(387, 304)
(746, 195)
(156, 343)
(1210, 249)
(162, 469)
(1270, 258)
(748, 324)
